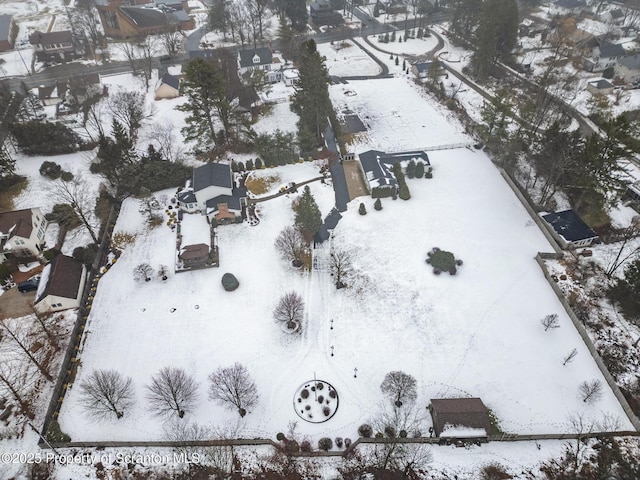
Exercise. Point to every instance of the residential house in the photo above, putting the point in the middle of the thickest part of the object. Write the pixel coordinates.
(52, 94)
(599, 87)
(605, 56)
(569, 229)
(614, 16)
(132, 18)
(259, 59)
(378, 169)
(628, 68)
(168, 87)
(290, 76)
(195, 256)
(212, 192)
(61, 285)
(460, 418)
(8, 32)
(424, 69)
(54, 46)
(83, 87)
(22, 234)
(321, 12)
(633, 191)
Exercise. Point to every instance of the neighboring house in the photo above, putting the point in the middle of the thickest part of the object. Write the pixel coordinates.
(570, 6)
(422, 69)
(599, 87)
(468, 416)
(168, 87)
(195, 256)
(128, 19)
(8, 32)
(378, 169)
(61, 285)
(212, 192)
(290, 76)
(321, 12)
(52, 94)
(614, 16)
(54, 46)
(259, 59)
(22, 234)
(628, 68)
(569, 229)
(83, 87)
(605, 56)
(633, 191)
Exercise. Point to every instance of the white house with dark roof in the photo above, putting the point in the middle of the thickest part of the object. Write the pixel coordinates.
(569, 229)
(168, 87)
(628, 68)
(600, 87)
(605, 56)
(54, 46)
(213, 193)
(259, 59)
(22, 233)
(378, 168)
(61, 285)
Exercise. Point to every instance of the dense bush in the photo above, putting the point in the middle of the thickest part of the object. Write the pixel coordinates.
(403, 434)
(442, 260)
(66, 176)
(347, 442)
(304, 393)
(280, 436)
(404, 192)
(305, 446)
(45, 138)
(411, 169)
(87, 254)
(390, 431)
(379, 192)
(230, 282)
(325, 443)
(365, 430)
(362, 210)
(50, 170)
(339, 442)
(626, 291)
(377, 204)
(419, 170)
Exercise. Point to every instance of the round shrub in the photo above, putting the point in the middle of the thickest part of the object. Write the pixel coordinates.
(304, 393)
(403, 434)
(362, 210)
(338, 442)
(347, 442)
(452, 271)
(280, 436)
(379, 435)
(50, 170)
(230, 282)
(326, 411)
(389, 431)
(319, 386)
(66, 176)
(325, 443)
(365, 430)
(320, 399)
(437, 271)
(332, 393)
(291, 446)
(458, 262)
(377, 204)
(305, 446)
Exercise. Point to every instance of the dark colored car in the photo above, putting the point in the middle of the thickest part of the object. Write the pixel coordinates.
(165, 58)
(28, 285)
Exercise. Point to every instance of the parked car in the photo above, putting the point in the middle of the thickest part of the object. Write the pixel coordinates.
(28, 285)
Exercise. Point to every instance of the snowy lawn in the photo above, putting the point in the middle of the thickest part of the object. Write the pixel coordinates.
(412, 46)
(347, 59)
(477, 333)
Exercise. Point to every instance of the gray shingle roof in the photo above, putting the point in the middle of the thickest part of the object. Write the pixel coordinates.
(612, 50)
(145, 17)
(170, 80)
(50, 38)
(5, 24)
(632, 62)
(601, 84)
(570, 226)
(246, 57)
(232, 202)
(218, 174)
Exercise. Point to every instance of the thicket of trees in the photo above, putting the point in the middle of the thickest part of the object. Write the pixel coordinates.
(45, 138)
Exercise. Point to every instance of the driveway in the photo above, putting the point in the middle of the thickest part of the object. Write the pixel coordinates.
(14, 304)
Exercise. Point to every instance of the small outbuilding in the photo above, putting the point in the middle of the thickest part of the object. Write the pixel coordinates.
(600, 87)
(570, 230)
(168, 87)
(195, 256)
(61, 285)
(467, 416)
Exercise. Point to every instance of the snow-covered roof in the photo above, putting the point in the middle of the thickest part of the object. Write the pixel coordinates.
(459, 431)
(612, 50)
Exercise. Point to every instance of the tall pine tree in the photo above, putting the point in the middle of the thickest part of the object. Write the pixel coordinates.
(496, 35)
(307, 215)
(311, 99)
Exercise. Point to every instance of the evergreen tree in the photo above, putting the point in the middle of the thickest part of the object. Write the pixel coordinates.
(404, 192)
(296, 10)
(234, 166)
(206, 91)
(377, 204)
(307, 215)
(466, 14)
(496, 35)
(386, 37)
(285, 35)
(218, 17)
(311, 98)
(241, 167)
(250, 164)
(114, 156)
(419, 169)
(393, 36)
(7, 165)
(259, 164)
(362, 210)
(397, 61)
(411, 168)
(404, 64)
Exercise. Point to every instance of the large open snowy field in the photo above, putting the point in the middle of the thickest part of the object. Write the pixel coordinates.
(477, 333)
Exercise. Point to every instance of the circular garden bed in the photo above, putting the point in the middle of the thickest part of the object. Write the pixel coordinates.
(442, 261)
(316, 401)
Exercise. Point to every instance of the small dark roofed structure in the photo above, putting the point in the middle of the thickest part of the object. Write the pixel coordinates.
(218, 174)
(254, 58)
(469, 413)
(64, 279)
(570, 230)
(612, 50)
(194, 256)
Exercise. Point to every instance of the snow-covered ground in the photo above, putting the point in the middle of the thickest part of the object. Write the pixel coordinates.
(410, 46)
(345, 59)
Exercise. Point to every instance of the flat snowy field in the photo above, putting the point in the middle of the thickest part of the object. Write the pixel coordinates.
(346, 58)
(477, 333)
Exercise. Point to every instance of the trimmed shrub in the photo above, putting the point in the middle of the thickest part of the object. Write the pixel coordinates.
(234, 166)
(305, 446)
(320, 398)
(249, 164)
(404, 192)
(379, 435)
(379, 192)
(377, 204)
(389, 431)
(319, 386)
(442, 260)
(230, 282)
(411, 169)
(259, 164)
(280, 436)
(241, 167)
(347, 442)
(304, 393)
(403, 434)
(362, 210)
(326, 411)
(365, 430)
(325, 443)
(66, 176)
(50, 170)
(419, 169)
(338, 442)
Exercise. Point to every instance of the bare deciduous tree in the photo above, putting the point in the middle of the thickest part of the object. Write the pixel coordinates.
(162, 136)
(105, 393)
(171, 38)
(570, 356)
(340, 265)
(18, 379)
(82, 199)
(591, 391)
(290, 311)
(130, 109)
(290, 244)
(234, 387)
(26, 344)
(132, 54)
(143, 272)
(171, 391)
(626, 250)
(550, 321)
(399, 387)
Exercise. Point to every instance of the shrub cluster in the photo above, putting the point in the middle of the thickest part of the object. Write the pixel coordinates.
(365, 430)
(402, 182)
(325, 443)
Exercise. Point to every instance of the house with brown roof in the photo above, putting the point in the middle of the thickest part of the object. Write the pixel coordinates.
(195, 256)
(22, 234)
(54, 46)
(135, 18)
(460, 417)
(61, 285)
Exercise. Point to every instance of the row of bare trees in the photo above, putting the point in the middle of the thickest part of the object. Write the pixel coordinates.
(171, 392)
